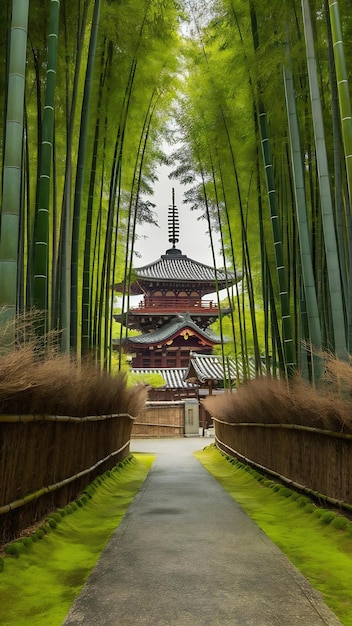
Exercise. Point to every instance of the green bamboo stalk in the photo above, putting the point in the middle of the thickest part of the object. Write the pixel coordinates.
(246, 256)
(88, 271)
(113, 211)
(343, 89)
(133, 214)
(332, 259)
(342, 125)
(231, 298)
(82, 148)
(227, 380)
(212, 248)
(65, 243)
(281, 269)
(13, 152)
(302, 222)
(41, 235)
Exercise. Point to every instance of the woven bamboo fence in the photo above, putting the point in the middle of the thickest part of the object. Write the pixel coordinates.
(161, 419)
(314, 460)
(47, 461)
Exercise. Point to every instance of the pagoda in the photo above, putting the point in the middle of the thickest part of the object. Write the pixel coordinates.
(172, 316)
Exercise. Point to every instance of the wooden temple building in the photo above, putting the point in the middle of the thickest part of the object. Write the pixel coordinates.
(173, 316)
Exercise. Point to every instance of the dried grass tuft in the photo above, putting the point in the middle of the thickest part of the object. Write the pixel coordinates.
(34, 381)
(270, 401)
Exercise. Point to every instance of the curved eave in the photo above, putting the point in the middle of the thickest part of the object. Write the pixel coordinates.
(149, 341)
(176, 268)
(177, 326)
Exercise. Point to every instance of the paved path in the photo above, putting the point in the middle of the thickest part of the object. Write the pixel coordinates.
(186, 554)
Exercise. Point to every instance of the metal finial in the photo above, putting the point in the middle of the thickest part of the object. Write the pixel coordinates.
(174, 228)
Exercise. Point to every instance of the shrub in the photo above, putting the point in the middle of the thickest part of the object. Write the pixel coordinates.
(286, 492)
(276, 486)
(302, 501)
(295, 495)
(27, 542)
(339, 522)
(51, 522)
(12, 549)
(318, 512)
(327, 517)
(55, 515)
(2, 563)
(267, 482)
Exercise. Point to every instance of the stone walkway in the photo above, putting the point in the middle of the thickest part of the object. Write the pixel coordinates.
(187, 555)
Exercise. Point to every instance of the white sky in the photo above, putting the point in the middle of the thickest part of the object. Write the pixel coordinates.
(152, 241)
(194, 239)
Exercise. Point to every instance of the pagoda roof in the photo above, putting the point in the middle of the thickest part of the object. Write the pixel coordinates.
(170, 330)
(173, 376)
(175, 267)
(204, 368)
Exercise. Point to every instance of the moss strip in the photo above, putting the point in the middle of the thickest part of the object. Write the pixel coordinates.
(40, 586)
(317, 541)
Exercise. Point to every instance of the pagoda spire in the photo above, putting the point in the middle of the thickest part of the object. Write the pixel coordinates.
(173, 222)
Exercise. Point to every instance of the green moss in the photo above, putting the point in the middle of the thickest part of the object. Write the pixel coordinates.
(12, 550)
(40, 586)
(295, 495)
(319, 551)
(285, 492)
(318, 512)
(339, 522)
(302, 501)
(51, 522)
(56, 516)
(327, 517)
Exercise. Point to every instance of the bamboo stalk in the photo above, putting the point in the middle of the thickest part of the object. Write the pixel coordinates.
(12, 161)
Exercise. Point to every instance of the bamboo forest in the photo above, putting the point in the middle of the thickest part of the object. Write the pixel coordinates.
(253, 100)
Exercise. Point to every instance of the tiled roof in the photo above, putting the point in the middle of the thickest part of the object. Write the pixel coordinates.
(173, 377)
(172, 328)
(178, 267)
(204, 367)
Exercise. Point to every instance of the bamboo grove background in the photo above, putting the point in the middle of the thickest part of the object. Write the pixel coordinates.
(265, 120)
(255, 96)
(79, 92)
